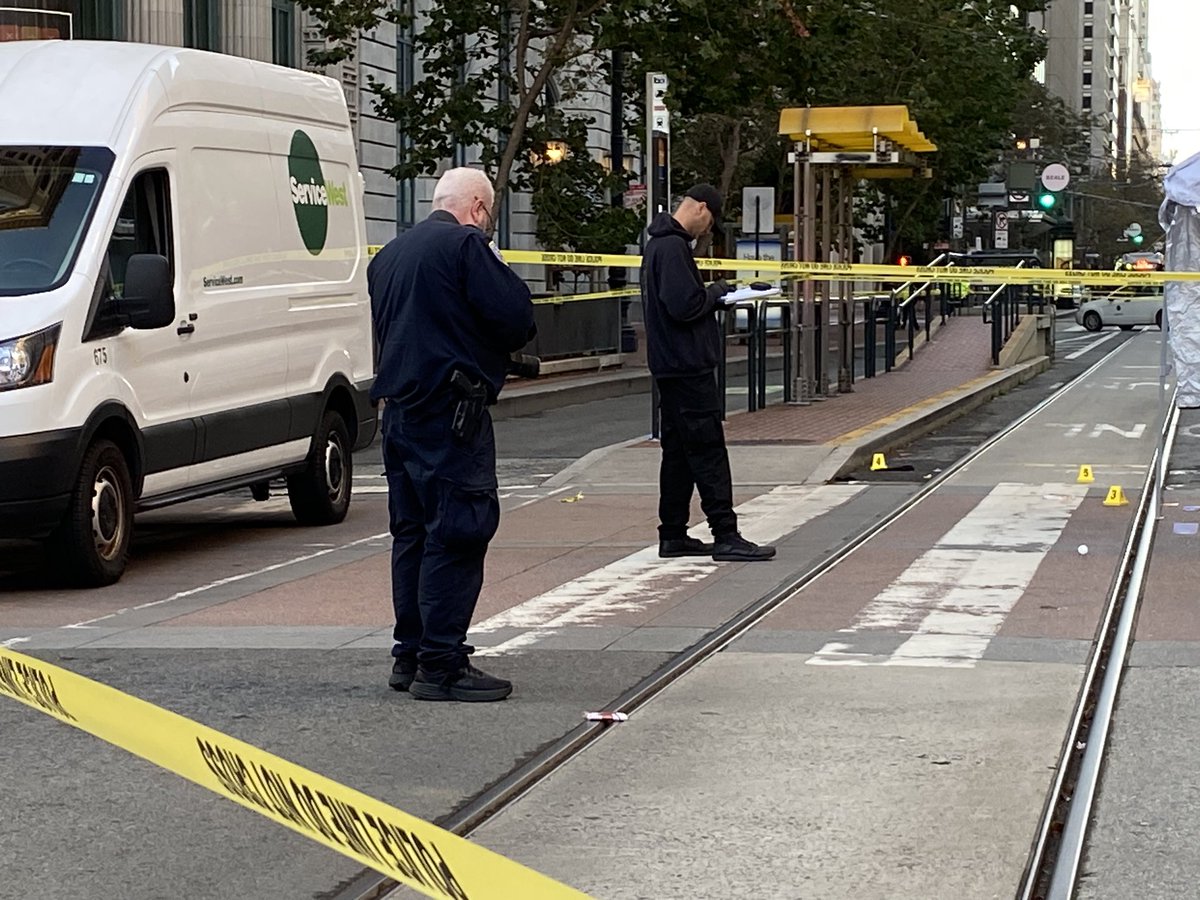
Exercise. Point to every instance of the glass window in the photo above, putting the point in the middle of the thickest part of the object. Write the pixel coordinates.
(47, 198)
(99, 20)
(201, 25)
(406, 73)
(143, 226)
(34, 24)
(1087, 102)
(1087, 55)
(1087, 78)
(283, 33)
(1088, 7)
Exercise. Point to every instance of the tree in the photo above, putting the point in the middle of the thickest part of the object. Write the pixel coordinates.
(727, 67)
(959, 67)
(496, 75)
(1105, 206)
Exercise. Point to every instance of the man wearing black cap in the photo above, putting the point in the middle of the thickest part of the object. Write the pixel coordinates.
(683, 342)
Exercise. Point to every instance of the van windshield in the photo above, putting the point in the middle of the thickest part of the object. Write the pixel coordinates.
(47, 197)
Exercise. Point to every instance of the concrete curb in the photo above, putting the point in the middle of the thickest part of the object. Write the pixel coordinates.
(601, 386)
(588, 460)
(847, 458)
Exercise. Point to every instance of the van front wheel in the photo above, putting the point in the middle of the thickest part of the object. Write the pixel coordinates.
(320, 495)
(96, 532)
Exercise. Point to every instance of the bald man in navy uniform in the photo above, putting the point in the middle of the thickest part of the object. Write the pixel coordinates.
(448, 312)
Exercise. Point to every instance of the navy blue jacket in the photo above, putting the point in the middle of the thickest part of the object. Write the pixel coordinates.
(442, 299)
(683, 336)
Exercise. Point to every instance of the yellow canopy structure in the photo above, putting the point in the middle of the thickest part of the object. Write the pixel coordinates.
(853, 128)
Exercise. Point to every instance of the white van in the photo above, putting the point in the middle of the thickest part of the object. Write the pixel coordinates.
(183, 303)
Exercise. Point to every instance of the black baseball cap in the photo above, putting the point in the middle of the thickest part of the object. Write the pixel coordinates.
(710, 197)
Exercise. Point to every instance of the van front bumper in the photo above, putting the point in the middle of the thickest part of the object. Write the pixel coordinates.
(36, 476)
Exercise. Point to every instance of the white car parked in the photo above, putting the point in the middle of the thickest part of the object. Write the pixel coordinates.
(1126, 308)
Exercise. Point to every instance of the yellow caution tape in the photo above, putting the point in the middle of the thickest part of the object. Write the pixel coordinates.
(412, 851)
(602, 295)
(992, 276)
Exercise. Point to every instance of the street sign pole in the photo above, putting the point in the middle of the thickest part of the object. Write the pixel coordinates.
(658, 162)
(757, 224)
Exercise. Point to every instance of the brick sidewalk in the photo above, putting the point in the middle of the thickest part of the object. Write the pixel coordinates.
(959, 353)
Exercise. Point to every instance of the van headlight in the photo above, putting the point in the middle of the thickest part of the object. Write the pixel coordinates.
(28, 361)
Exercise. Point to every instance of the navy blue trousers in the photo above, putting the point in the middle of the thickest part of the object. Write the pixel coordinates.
(444, 510)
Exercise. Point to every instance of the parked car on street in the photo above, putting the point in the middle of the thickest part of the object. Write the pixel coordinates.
(1126, 307)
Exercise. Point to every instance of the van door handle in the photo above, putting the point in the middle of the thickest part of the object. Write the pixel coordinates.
(185, 328)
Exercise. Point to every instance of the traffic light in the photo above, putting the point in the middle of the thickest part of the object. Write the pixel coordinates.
(1138, 238)
(1046, 200)
(904, 261)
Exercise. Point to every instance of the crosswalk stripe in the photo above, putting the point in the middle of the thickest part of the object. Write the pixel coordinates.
(953, 600)
(641, 579)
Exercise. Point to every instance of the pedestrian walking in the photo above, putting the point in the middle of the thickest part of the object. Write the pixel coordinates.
(448, 312)
(683, 343)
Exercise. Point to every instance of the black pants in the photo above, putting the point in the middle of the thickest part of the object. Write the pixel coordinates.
(444, 510)
(693, 457)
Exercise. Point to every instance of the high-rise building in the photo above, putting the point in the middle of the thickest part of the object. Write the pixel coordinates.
(1098, 62)
(1157, 153)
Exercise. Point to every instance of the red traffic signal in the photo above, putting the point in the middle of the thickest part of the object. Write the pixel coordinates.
(904, 261)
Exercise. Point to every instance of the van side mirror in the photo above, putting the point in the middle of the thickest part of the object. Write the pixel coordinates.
(149, 297)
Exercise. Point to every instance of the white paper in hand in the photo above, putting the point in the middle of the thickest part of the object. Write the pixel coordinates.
(749, 293)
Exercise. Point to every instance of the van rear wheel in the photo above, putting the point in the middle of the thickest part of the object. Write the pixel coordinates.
(320, 495)
(95, 534)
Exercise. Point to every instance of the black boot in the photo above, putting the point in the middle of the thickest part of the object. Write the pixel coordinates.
(669, 548)
(403, 673)
(468, 684)
(735, 548)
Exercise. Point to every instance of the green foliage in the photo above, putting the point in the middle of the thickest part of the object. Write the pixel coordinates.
(1104, 205)
(961, 66)
(495, 75)
(571, 200)
(341, 21)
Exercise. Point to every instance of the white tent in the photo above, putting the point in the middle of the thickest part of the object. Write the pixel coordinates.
(1180, 219)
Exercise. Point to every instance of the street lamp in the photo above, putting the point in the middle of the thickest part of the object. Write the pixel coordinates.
(552, 154)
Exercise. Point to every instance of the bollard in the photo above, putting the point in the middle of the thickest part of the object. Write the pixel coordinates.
(889, 335)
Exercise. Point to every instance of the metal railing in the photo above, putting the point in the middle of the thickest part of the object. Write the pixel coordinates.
(878, 310)
(1002, 310)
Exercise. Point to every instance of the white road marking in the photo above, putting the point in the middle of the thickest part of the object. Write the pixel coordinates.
(641, 579)
(1092, 346)
(955, 597)
(221, 582)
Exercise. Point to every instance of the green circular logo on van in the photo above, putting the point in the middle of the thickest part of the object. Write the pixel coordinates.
(310, 198)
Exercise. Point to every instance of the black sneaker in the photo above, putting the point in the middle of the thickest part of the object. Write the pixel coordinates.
(670, 548)
(735, 548)
(468, 684)
(403, 673)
